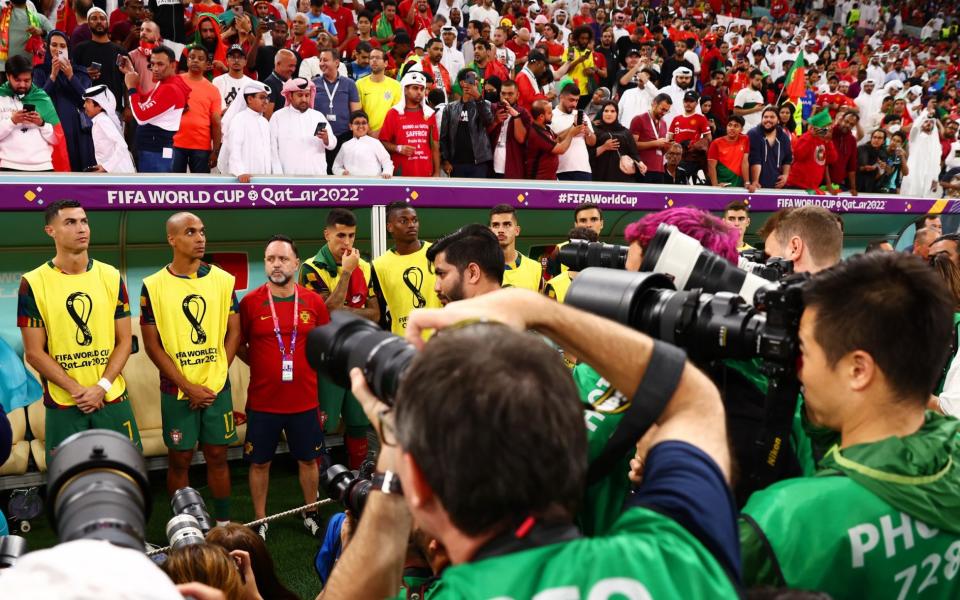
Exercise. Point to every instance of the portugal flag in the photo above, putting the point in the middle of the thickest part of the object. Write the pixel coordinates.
(40, 99)
(795, 86)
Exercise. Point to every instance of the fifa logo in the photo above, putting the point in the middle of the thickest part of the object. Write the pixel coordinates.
(413, 279)
(79, 307)
(194, 308)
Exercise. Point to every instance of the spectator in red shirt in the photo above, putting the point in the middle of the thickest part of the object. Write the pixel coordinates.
(416, 14)
(343, 19)
(363, 34)
(810, 155)
(410, 133)
(650, 133)
(717, 90)
(843, 170)
(528, 87)
(692, 131)
(485, 63)
(275, 320)
(544, 146)
(834, 99)
(299, 42)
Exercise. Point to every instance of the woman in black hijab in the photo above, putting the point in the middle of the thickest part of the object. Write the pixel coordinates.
(615, 150)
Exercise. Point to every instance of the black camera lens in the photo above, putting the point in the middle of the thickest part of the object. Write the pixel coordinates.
(350, 341)
(98, 489)
(577, 255)
(183, 530)
(347, 488)
(12, 547)
(188, 501)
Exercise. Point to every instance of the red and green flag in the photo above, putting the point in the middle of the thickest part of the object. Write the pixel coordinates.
(795, 87)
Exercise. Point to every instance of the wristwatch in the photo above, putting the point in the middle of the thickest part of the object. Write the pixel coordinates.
(386, 482)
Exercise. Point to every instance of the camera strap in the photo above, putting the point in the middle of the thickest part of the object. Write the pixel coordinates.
(659, 382)
(530, 534)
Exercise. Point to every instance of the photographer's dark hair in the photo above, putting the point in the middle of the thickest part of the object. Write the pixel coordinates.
(279, 237)
(490, 468)
(473, 243)
(950, 273)
(52, 210)
(819, 229)
(341, 216)
(891, 306)
(234, 536)
(583, 233)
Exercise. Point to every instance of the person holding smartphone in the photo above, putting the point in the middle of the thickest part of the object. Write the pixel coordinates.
(299, 135)
(26, 137)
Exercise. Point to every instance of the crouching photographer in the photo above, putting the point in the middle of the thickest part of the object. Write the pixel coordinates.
(496, 472)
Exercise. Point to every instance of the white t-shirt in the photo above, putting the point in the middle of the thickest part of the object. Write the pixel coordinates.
(485, 15)
(229, 87)
(576, 158)
(746, 96)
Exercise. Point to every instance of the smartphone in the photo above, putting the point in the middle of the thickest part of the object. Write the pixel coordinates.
(96, 65)
(320, 127)
(119, 60)
(579, 119)
(29, 108)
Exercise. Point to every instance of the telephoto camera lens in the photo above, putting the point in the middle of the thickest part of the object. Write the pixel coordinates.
(188, 501)
(183, 530)
(98, 489)
(692, 266)
(349, 341)
(12, 547)
(347, 488)
(577, 255)
(707, 326)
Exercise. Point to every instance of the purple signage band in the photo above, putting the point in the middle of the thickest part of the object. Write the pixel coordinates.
(159, 192)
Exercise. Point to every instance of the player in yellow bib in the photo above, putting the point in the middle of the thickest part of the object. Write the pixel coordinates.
(191, 330)
(402, 277)
(521, 271)
(558, 285)
(343, 279)
(74, 316)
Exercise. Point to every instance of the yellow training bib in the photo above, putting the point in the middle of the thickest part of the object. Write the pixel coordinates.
(559, 286)
(78, 313)
(528, 274)
(407, 282)
(191, 315)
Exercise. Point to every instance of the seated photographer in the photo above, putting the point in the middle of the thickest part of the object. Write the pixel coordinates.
(879, 520)
(810, 236)
(234, 536)
(500, 494)
(467, 263)
(212, 565)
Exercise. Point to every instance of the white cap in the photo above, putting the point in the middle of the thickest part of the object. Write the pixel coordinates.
(413, 78)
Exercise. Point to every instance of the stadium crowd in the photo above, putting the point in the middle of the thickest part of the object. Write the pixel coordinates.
(818, 95)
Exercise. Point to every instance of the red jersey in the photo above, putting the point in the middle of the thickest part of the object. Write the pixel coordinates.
(267, 392)
(837, 98)
(305, 48)
(810, 156)
(688, 129)
(647, 130)
(342, 19)
(411, 128)
(351, 46)
(541, 162)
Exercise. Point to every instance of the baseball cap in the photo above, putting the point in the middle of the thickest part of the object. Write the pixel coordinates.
(633, 51)
(691, 96)
(236, 48)
(541, 20)
(536, 55)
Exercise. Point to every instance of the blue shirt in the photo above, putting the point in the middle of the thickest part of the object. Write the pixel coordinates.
(343, 92)
(322, 19)
(770, 157)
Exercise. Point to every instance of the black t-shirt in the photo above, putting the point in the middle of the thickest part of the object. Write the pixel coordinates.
(106, 54)
(265, 57)
(624, 45)
(168, 15)
(276, 87)
(463, 144)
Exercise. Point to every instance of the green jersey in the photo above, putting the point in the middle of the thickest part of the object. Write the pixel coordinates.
(645, 555)
(603, 410)
(877, 521)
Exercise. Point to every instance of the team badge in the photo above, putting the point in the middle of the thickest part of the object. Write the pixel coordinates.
(176, 436)
(386, 95)
(305, 317)
(820, 155)
(356, 299)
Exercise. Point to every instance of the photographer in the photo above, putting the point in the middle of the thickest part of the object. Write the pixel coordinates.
(510, 508)
(874, 334)
(467, 263)
(809, 236)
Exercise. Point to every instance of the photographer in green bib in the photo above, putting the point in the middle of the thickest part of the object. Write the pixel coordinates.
(879, 518)
(500, 486)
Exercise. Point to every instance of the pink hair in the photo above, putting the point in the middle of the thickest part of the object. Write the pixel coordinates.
(714, 234)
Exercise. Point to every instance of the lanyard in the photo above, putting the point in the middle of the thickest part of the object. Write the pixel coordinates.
(276, 322)
(330, 94)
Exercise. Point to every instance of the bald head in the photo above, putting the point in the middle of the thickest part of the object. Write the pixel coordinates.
(188, 238)
(178, 221)
(922, 240)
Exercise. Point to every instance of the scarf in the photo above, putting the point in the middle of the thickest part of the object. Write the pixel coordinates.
(917, 474)
(6, 16)
(357, 288)
(47, 112)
